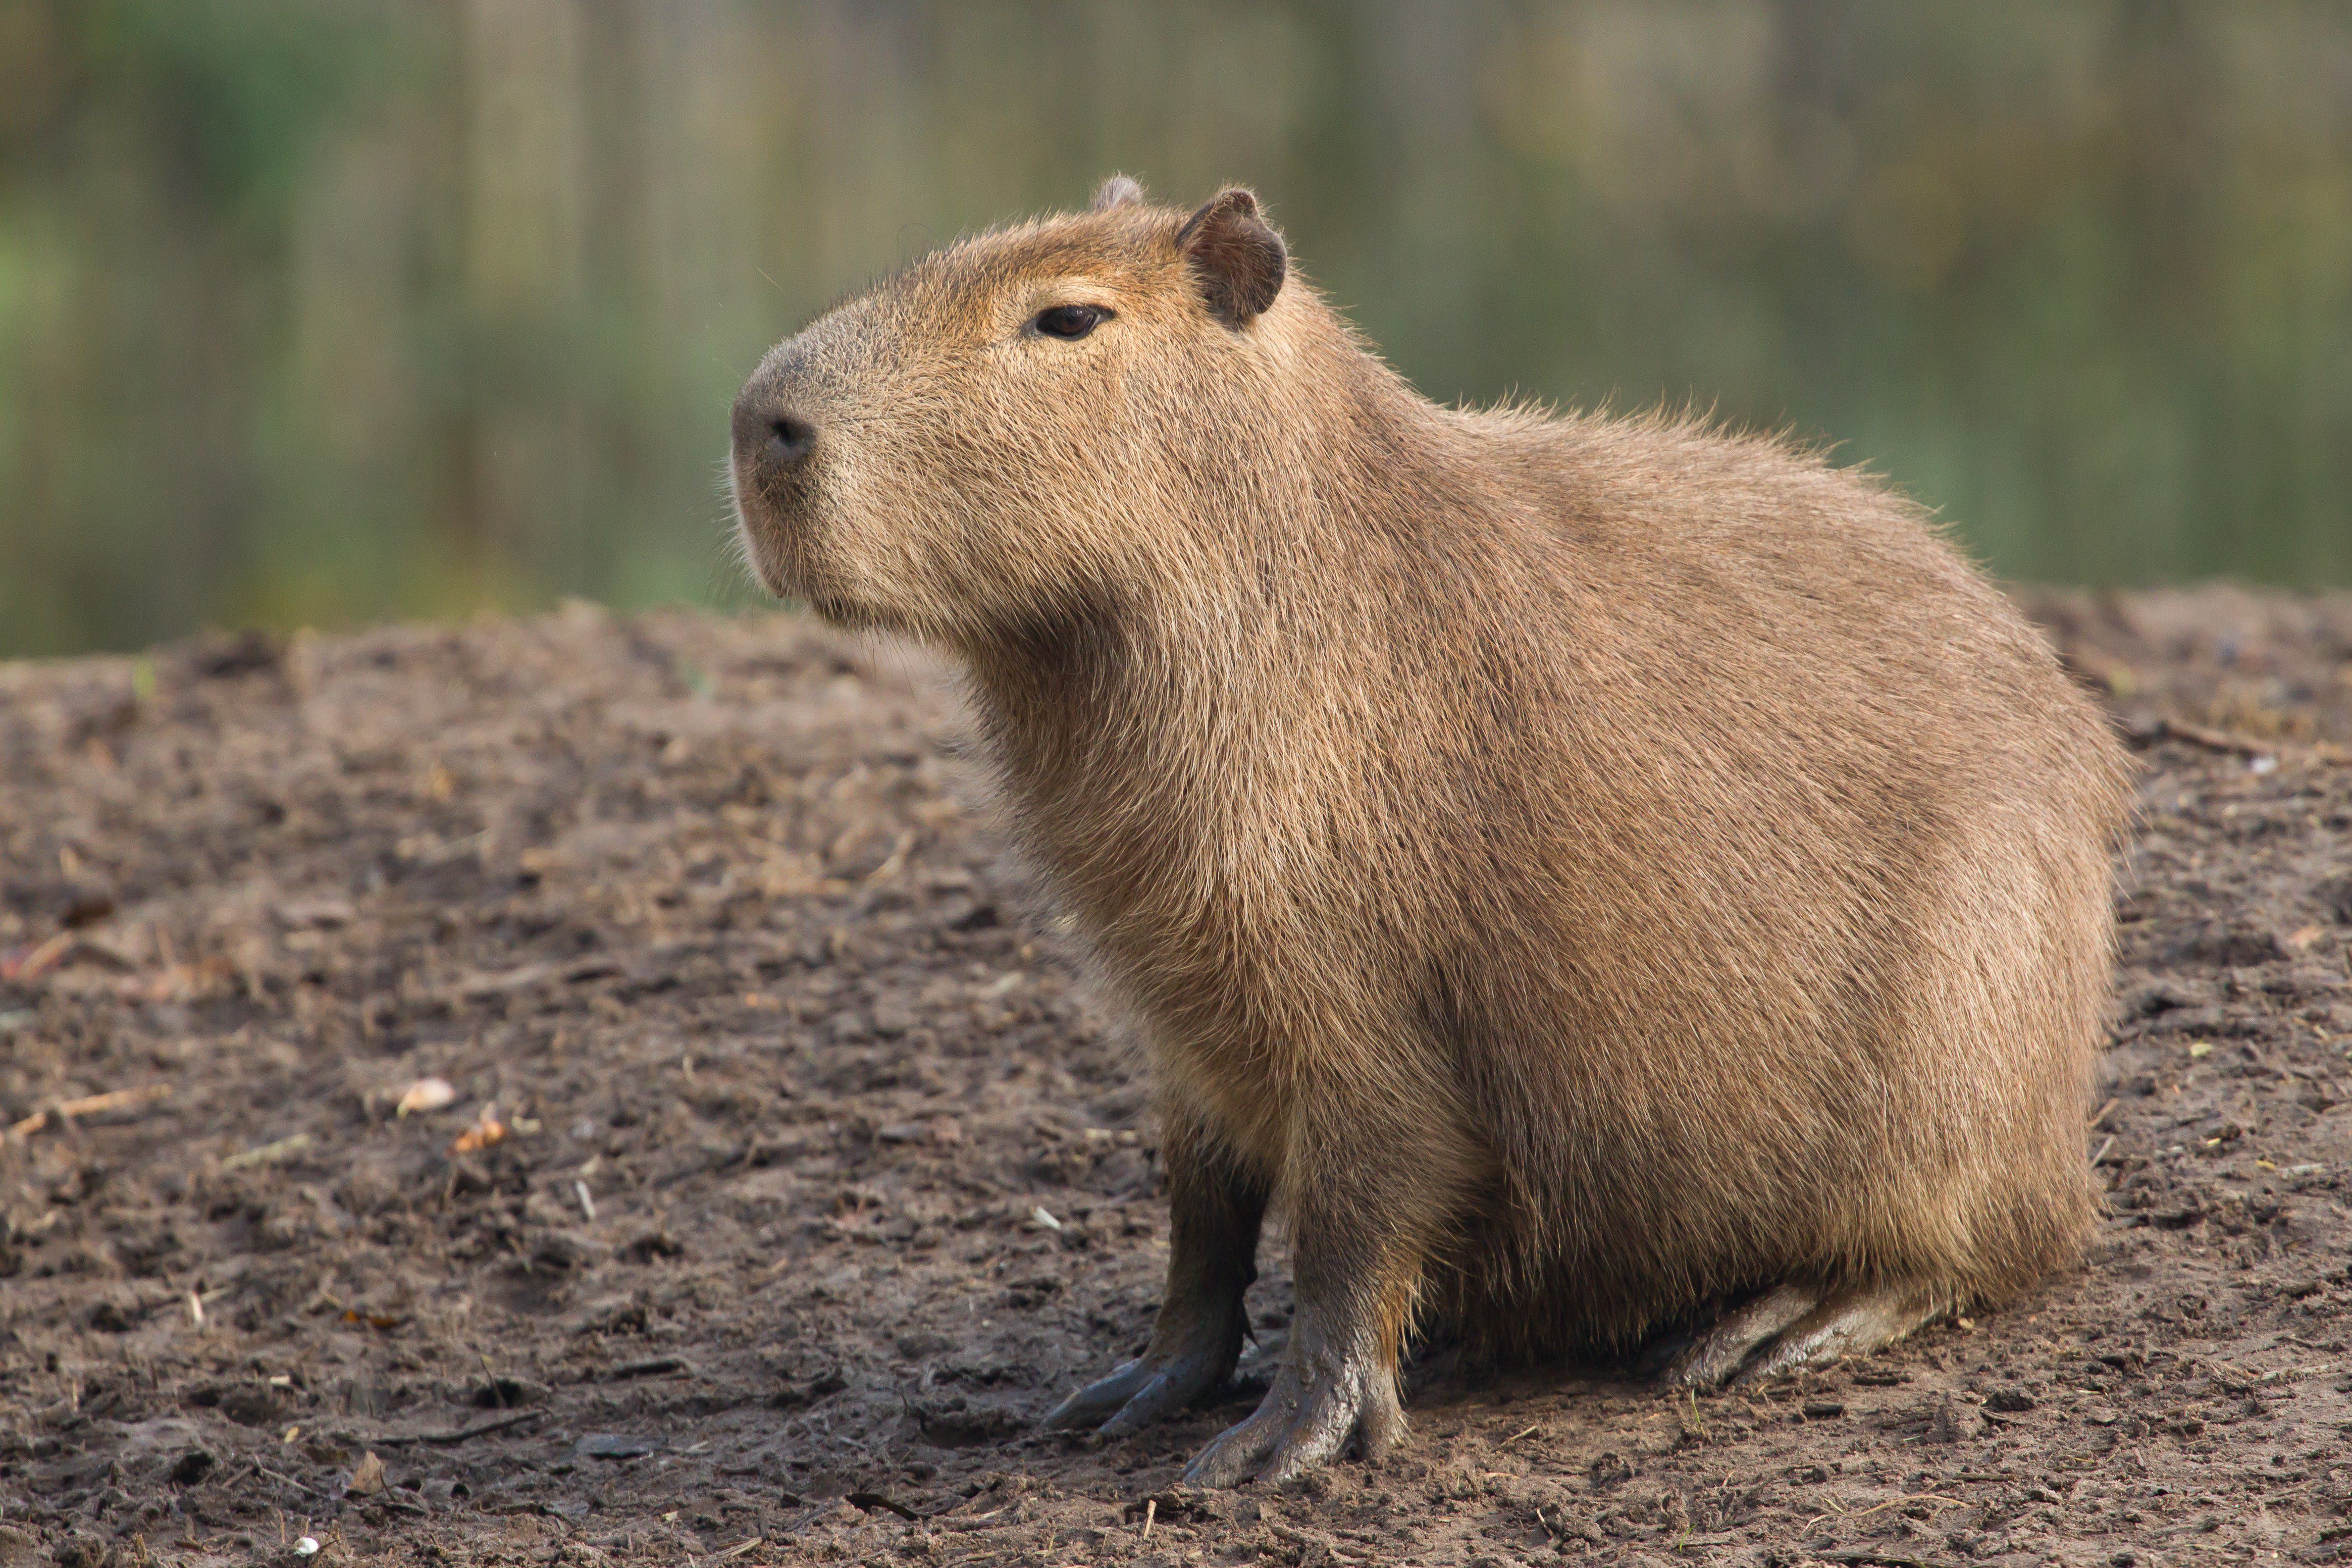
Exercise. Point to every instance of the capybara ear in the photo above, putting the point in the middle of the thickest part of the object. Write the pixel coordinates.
(1235, 254)
(1119, 191)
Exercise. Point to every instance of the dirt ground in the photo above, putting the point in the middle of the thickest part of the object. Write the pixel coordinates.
(821, 1178)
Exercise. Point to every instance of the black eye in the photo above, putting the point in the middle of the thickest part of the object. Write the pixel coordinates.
(1070, 321)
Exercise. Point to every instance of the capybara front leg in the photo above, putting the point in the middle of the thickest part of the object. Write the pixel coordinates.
(1363, 1209)
(1215, 1209)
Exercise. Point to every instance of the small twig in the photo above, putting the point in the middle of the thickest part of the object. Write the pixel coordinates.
(974, 1522)
(2104, 1148)
(737, 1550)
(1840, 1513)
(2212, 740)
(2245, 1378)
(23, 971)
(1151, 1512)
(869, 1501)
(653, 1368)
(269, 1153)
(2104, 1110)
(442, 1439)
(89, 1105)
(1517, 1436)
(1886, 1559)
(2231, 743)
(491, 1376)
(290, 1481)
(114, 1099)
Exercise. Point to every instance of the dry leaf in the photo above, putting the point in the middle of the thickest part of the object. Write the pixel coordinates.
(367, 1476)
(426, 1094)
(486, 1131)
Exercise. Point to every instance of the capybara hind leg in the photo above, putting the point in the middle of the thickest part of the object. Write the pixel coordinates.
(1216, 1208)
(1721, 1350)
(1850, 1322)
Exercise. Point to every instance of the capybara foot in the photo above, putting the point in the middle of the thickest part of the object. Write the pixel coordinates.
(1794, 1326)
(1318, 1402)
(1710, 1357)
(1850, 1322)
(1186, 1359)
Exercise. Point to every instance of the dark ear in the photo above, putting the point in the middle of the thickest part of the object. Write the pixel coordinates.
(1235, 255)
(1118, 191)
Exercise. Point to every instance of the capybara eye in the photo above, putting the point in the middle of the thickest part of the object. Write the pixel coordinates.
(1070, 321)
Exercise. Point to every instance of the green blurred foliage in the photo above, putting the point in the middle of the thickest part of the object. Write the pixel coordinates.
(322, 310)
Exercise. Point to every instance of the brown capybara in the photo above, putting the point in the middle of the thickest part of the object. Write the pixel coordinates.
(1594, 876)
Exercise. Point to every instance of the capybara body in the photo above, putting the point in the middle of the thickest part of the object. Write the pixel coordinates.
(1592, 875)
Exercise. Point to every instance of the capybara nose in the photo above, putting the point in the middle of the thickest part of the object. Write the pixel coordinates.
(789, 440)
(770, 437)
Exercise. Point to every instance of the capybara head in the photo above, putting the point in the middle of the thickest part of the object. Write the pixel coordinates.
(990, 440)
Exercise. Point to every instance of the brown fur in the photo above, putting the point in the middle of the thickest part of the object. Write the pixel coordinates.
(1586, 870)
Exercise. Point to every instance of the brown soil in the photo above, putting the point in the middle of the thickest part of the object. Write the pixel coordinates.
(693, 905)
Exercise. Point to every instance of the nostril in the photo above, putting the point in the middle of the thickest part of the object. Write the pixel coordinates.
(789, 439)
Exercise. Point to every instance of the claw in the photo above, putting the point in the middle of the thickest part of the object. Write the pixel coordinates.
(1100, 1399)
(1167, 1393)
(1161, 1381)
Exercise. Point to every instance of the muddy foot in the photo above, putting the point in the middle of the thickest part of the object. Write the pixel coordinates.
(1318, 1402)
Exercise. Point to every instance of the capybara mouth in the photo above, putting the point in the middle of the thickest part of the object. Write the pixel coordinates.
(785, 570)
(776, 538)
(756, 543)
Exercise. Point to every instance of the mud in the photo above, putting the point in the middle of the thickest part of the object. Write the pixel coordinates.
(820, 1179)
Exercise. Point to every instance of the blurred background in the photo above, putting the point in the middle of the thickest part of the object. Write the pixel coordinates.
(317, 311)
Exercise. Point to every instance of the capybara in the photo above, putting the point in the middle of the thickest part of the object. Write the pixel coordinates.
(1598, 878)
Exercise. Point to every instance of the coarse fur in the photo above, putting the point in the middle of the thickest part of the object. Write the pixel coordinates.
(1586, 871)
